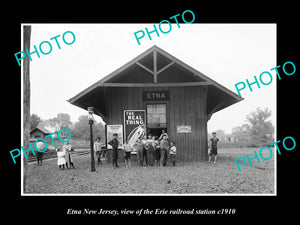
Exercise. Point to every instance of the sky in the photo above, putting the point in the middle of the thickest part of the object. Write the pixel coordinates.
(227, 53)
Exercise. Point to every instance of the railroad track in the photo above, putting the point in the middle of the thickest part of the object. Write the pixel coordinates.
(75, 153)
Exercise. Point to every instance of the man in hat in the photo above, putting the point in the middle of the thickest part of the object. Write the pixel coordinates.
(164, 145)
(115, 144)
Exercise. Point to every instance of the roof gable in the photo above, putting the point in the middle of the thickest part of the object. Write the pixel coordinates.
(43, 130)
(153, 68)
(164, 62)
(152, 64)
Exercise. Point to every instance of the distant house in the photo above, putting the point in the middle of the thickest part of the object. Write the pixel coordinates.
(45, 128)
(227, 138)
(39, 132)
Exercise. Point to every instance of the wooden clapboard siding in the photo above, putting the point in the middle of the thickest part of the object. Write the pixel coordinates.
(189, 109)
(187, 106)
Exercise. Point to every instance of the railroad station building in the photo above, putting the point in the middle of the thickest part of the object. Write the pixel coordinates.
(174, 96)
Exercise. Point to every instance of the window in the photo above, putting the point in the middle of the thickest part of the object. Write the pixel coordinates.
(156, 116)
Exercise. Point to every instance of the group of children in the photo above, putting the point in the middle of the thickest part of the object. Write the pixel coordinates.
(64, 156)
(151, 151)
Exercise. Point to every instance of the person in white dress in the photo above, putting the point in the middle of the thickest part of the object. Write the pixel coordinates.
(61, 158)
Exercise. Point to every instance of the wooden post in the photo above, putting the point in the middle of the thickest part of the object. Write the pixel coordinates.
(26, 100)
(155, 66)
(92, 146)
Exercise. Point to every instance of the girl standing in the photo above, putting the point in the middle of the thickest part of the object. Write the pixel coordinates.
(61, 158)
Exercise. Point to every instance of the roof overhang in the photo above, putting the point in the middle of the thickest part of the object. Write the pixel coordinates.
(149, 69)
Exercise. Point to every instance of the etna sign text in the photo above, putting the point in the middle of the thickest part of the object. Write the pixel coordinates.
(156, 96)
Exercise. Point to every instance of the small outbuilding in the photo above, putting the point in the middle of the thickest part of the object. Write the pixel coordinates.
(39, 132)
(156, 91)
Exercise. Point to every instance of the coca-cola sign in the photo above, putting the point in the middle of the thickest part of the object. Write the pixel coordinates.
(134, 125)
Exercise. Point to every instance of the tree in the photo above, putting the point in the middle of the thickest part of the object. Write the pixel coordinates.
(81, 129)
(34, 121)
(242, 136)
(261, 130)
(99, 131)
(64, 120)
(257, 132)
(259, 116)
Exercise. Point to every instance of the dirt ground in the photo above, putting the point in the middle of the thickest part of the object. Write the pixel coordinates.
(222, 177)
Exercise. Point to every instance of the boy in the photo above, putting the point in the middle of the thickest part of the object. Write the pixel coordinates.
(145, 150)
(163, 150)
(114, 143)
(172, 152)
(163, 133)
(127, 153)
(40, 145)
(214, 147)
(150, 150)
(97, 148)
(139, 151)
(156, 150)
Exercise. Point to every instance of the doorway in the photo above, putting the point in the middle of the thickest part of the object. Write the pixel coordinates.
(156, 118)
